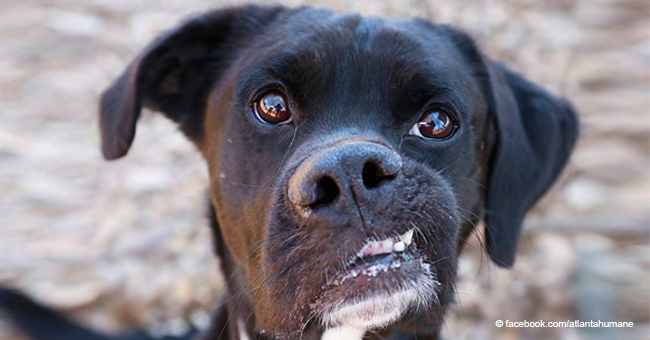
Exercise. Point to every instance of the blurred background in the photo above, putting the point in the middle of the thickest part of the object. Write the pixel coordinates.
(125, 243)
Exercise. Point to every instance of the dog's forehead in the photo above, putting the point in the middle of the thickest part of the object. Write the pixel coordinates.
(309, 24)
(351, 61)
(320, 38)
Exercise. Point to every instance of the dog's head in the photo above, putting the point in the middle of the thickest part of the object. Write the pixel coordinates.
(349, 157)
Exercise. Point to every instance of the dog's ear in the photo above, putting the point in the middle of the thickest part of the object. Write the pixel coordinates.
(174, 74)
(535, 132)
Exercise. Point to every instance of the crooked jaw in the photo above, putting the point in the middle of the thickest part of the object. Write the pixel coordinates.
(391, 277)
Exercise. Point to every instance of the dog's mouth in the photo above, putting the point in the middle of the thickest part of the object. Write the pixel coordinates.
(378, 285)
(377, 257)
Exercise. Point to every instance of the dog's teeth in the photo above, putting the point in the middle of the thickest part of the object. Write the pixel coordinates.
(392, 244)
(408, 237)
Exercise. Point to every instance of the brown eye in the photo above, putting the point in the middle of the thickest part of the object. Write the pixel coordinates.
(273, 108)
(437, 124)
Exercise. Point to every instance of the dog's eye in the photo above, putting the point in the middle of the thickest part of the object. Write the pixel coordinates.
(272, 108)
(437, 124)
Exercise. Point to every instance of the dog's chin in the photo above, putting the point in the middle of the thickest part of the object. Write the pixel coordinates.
(380, 309)
(378, 293)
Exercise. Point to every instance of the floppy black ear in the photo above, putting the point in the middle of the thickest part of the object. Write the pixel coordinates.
(536, 132)
(174, 74)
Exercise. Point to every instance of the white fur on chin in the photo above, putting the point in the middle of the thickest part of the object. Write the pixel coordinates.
(343, 333)
(377, 311)
(242, 330)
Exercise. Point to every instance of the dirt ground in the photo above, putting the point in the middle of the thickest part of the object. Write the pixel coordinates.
(125, 243)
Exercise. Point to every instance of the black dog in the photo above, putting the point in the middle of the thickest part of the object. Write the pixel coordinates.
(349, 160)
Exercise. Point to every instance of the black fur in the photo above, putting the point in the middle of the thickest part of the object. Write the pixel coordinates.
(174, 74)
(536, 133)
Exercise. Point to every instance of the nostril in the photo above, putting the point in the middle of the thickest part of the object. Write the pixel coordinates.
(327, 191)
(374, 175)
(337, 176)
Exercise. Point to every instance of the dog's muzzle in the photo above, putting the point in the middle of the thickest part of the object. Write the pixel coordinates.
(346, 185)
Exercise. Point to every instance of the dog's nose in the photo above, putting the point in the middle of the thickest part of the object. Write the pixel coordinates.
(333, 179)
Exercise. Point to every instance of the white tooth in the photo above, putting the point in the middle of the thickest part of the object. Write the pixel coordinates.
(399, 246)
(408, 237)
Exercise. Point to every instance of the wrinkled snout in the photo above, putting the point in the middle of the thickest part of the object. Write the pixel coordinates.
(329, 185)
